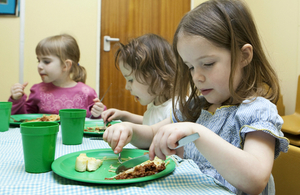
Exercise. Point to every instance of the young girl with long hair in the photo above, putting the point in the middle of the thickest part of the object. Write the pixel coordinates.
(231, 104)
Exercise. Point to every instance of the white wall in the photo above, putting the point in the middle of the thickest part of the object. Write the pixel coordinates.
(278, 24)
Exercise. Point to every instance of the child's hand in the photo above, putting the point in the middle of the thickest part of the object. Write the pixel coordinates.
(117, 136)
(97, 108)
(17, 90)
(111, 114)
(165, 140)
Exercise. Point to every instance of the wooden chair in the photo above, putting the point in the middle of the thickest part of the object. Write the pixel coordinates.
(291, 125)
(280, 106)
(286, 172)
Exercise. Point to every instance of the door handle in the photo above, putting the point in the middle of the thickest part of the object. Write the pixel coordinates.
(107, 41)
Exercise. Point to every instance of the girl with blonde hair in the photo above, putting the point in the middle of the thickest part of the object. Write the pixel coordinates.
(63, 81)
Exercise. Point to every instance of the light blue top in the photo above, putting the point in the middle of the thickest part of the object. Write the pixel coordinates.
(232, 123)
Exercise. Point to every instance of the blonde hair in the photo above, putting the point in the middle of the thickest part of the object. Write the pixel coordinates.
(227, 24)
(65, 47)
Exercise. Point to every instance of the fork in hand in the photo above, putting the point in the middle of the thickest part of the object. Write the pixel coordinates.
(119, 158)
(102, 97)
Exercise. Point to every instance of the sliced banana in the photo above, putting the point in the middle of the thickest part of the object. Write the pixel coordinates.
(84, 163)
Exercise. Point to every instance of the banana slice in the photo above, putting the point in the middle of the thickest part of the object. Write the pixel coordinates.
(93, 164)
(84, 163)
(81, 162)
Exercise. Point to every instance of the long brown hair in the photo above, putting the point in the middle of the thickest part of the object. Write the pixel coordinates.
(227, 24)
(152, 60)
(64, 47)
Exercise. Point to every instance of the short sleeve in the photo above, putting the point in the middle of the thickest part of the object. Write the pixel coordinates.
(262, 115)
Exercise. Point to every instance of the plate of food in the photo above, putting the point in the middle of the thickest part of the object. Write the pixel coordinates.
(104, 165)
(17, 119)
(96, 127)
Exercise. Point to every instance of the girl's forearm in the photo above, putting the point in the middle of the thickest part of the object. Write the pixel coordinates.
(142, 136)
(133, 118)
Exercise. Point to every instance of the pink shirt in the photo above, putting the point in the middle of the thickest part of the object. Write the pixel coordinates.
(47, 98)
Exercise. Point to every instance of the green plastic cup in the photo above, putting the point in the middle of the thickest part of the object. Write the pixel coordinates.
(39, 140)
(5, 111)
(72, 125)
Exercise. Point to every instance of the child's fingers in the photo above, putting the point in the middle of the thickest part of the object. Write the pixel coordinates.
(17, 91)
(96, 100)
(19, 87)
(109, 118)
(161, 143)
(123, 140)
(98, 106)
(109, 115)
(115, 140)
(155, 148)
(107, 135)
(162, 150)
(24, 85)
(106, 116)
(16, 86)
(117, 136)
(159, 153)
(16, 96)
(97, 109)
(151, 152)
(172, 141)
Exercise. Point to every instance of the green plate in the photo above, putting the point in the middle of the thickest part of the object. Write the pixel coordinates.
(19, 117)
(96, 123)
(65, 167)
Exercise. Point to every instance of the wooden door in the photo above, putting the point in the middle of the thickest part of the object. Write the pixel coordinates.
(127, 19)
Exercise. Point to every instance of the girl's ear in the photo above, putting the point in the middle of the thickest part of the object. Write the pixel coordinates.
(247, 54)
(67, 65)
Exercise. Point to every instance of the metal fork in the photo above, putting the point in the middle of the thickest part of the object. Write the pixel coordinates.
(103, 96)
(119, 158)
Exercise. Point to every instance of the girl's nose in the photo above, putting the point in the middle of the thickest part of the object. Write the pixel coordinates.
(198, 76)
(40, 65)
(127, 86)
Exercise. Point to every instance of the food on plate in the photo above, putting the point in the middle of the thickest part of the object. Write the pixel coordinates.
(96, 128)
(93, 164)
(81, 162)
(142, 170)
(52, 117)
(84, 163)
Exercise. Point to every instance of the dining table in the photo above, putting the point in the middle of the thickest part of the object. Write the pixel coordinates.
(186, 178)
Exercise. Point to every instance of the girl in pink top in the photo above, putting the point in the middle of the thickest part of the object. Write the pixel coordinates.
(63, 81)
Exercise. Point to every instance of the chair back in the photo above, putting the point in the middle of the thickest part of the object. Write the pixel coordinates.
(280, 106)
(297, 110)
(286, 172)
